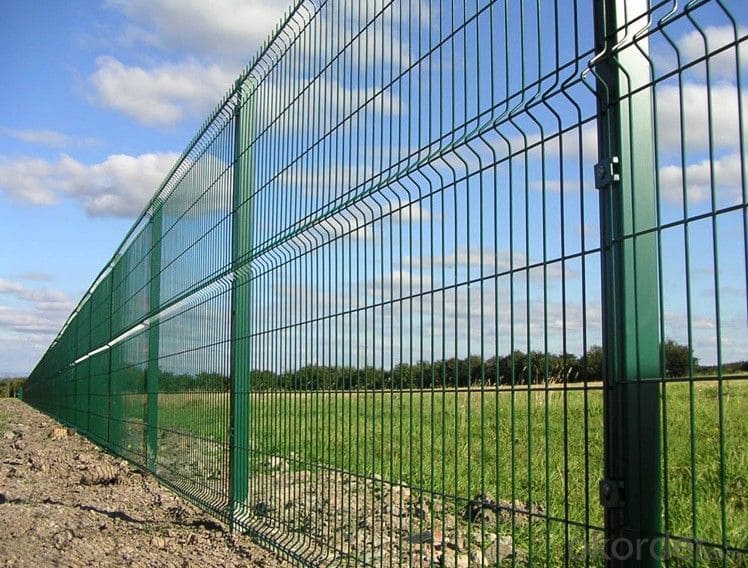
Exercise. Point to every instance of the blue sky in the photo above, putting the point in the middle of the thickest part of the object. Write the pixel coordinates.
(98, 99)
(103, 97)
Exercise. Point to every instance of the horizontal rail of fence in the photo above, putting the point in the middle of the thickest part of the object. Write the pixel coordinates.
(446, 283)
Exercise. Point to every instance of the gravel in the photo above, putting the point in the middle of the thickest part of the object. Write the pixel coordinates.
(65, 502)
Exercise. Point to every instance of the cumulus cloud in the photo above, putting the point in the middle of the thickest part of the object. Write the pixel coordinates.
(486, 261)
(695, 45)
(119, 186)
(704, 119)
(50, 138)
(404, 315)
(26, 179)
(219, 38)
(218, 29)
(162, 94)
(725, 173)
(359, 222)
(33, 310)
(35, 276)
(19, 291)
(29, 320)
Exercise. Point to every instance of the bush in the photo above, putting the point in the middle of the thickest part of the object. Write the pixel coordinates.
(9, 387)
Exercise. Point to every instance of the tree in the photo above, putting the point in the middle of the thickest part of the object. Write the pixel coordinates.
(10, 387)
(593, 363)
(513, 366)
(679, 359)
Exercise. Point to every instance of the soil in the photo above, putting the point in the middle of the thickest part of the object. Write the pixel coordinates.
(336, 519)
(66, 502)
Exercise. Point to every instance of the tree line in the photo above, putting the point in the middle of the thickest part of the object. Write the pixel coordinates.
(10, 387)
(516, 368)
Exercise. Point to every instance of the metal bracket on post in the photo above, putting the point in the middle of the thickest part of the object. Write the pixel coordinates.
(611, 494)
(607, 172)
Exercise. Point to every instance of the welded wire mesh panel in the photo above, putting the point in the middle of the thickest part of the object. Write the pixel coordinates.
(682, 235)
(126, 396)
(425, 285)
(142, 365)
(193, 398)
(446, 283)
(193, 331)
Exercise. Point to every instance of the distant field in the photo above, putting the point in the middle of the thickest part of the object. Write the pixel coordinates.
(3, 420)
(539, 446)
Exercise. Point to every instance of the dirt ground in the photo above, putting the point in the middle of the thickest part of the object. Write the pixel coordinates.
(65, 502)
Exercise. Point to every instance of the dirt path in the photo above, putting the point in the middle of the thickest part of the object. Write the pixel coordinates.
(65, 502)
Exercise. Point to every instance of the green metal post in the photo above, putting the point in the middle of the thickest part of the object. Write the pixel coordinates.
(86, 403)
(153, 337)
(112, 423)
(241, 302)
(72, 380)
(631, 492)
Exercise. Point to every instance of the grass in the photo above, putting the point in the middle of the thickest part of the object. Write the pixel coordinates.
(4, 418)
(540, 446)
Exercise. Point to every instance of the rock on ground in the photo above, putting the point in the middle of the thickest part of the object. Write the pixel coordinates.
(65, 502)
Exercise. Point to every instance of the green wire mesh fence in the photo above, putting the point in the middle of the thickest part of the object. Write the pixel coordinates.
(446, 283)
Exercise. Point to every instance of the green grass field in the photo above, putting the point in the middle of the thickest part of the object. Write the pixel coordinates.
(539, 446)
(4, 417)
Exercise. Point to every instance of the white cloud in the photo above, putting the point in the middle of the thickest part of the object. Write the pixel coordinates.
(699, 116)
(121, 185)
(374, 28)
(19, 352)
(35, 276)
(29, 324)
(30, 321)
(50, 138)
(162, 94)
(722, 65)
(218, 28)
(19, 291)
(337, 320)
(26, 179)
(360, 221)
(33, 310)
(486, 261)
(412, 213)
(726, 173)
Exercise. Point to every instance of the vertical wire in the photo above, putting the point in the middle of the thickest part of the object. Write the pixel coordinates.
(497, 367)
(512, 319)
(468, 394)
(481, 270)
(661, 306)
(336, 309)
(715, 265)
(388, 390)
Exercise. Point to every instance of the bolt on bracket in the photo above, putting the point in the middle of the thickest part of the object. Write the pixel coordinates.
(607, 172)
(611, 493)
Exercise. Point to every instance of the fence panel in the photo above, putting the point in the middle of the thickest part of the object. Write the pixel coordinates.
(446, 283)
(672, 101)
